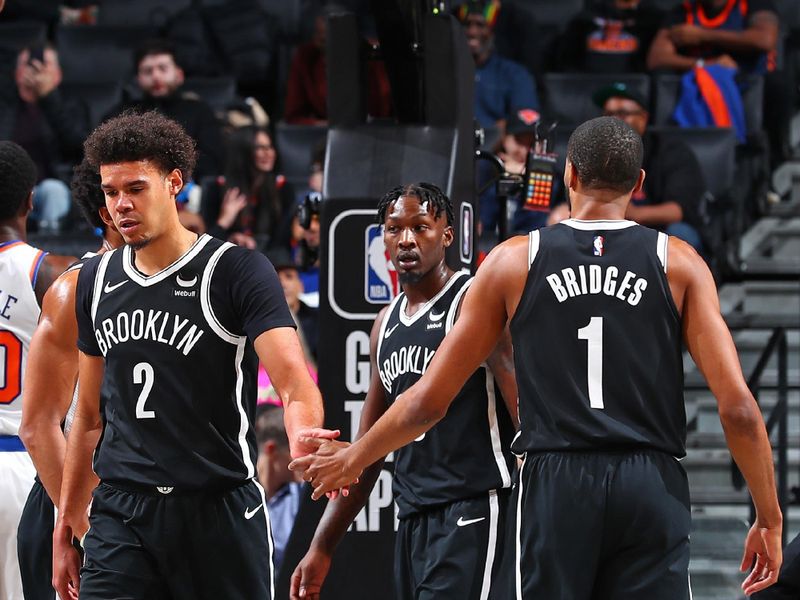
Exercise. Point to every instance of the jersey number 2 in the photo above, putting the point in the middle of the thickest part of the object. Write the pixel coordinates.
(143, 374)
(11, 364)
(593, 334)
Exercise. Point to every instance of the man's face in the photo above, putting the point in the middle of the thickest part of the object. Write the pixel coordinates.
(140, 199)
(629, 111)
(158, 75)
(479, 35)
(415, 239)
(292, 286)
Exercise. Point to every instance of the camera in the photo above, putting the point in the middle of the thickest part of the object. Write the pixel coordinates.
(308, 209)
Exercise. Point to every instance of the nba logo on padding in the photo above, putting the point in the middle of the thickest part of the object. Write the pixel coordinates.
(598, 245)
(380, 277)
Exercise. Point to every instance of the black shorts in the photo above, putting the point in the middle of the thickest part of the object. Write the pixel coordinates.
(451, 551)
(35, 545)
(598, 525)
(145, 545)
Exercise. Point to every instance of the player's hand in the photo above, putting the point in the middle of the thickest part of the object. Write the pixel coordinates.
(66, 563)
(762, 551)
(232, 204)
(307, 440)
(687, 35)
(309, 575)
(329, 469)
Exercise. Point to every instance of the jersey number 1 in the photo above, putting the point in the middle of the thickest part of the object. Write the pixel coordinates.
(143, 374)
(593, 334)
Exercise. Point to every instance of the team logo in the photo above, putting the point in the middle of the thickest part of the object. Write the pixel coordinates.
(165, 489)
(598, 245)
(380, 276)
(184, 283)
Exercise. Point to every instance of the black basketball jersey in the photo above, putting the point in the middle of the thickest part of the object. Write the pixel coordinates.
(467, 452)
(179, 389)
(597, 341)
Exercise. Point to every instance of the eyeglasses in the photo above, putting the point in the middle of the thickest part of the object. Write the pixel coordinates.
(623, 114)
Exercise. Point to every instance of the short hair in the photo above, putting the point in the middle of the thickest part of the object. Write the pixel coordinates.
(437, 200)
(606, 153)
(154, 47)
(87, 194)
(17, 178)
(142, 136)
(269, 425)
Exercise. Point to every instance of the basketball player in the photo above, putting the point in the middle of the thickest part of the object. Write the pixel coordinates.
(25, 274)
(170, 328)
(451, 483)
(598, 307)
(49, 400)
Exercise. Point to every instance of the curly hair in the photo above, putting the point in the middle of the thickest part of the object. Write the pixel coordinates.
(606, 153)
(142, 136)
(86, 193)
(17, 178)
(437, 200)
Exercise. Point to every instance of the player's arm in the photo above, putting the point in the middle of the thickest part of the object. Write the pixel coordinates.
(79, 479)
(663, 54)
(761, 35)
(313, 568)
(50, 382)
(51, 268)
(712, 348)
(488, 304)
(501, 363)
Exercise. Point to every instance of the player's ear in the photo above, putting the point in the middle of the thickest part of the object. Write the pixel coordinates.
(175, 181)
(449, 234)
(570, 175)
(639, 181)
(105, 216)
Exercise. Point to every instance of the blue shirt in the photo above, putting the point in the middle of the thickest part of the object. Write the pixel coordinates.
(502, 87)
(283, 507)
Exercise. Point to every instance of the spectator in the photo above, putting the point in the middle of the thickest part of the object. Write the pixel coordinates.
(49, 127)
(673, 188)
(251, 205)
(160, 78)
(609, 36)
(306, 317)
(502, 86)
(307, 85)
(280, 485)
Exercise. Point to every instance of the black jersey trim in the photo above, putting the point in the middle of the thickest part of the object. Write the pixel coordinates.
(455, 304)
(598, 225)
(662, 246)
(408, 321)
(205, 297)
(534, 239)
(99, 277)
(494, 428)
(129, 265)
(386, 317)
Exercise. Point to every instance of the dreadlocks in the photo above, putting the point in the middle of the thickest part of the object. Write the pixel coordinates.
(428, 193)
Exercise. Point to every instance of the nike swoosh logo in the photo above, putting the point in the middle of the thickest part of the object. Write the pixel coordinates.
(185, 282)
(434, 317)
(390, 331)
(461, 522)
(249, 514)
(110, 288)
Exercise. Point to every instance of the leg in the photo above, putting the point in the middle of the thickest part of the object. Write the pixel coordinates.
(461, 545)
(51, 202)
(117, 565)
(16, 479)
(35, 545)
(646, 550)
(404, 563)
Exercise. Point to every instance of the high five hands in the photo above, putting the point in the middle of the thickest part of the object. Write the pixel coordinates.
(328, 469)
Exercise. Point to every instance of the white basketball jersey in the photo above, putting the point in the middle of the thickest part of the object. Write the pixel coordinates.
(19, 315)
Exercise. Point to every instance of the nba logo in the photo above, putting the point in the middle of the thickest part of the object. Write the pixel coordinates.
(380, 277)
(598, 245)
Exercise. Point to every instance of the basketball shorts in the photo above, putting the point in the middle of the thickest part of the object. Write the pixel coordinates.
(598, 525)
(147, 545)
(35, 545)
(450, 551)
(16, 478)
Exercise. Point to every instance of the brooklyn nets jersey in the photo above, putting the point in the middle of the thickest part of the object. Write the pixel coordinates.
(467, 452)
(179, 388)
(597, 342)
(19, 315)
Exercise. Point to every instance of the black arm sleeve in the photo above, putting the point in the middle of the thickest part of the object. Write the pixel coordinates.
(87, 343)
(247, 295)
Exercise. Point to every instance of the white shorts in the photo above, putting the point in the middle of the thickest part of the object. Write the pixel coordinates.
(16, 479)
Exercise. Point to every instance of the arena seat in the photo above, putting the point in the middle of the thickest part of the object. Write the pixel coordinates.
(569, 95)
(92, 54)
(218, 92)
(295, 144)
(151, 13)
(99, 97)
(555, 13)
(667, 88)
(17, 35)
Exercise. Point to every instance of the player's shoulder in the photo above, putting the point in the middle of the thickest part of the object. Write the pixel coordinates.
(239, 259)
(683, 261)
(510, 252)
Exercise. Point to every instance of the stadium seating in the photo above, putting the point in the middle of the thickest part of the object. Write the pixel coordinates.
(295, 144)
(218, 92)
(99, 54)
(17, 35)
(99, 97)
(150, 13)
